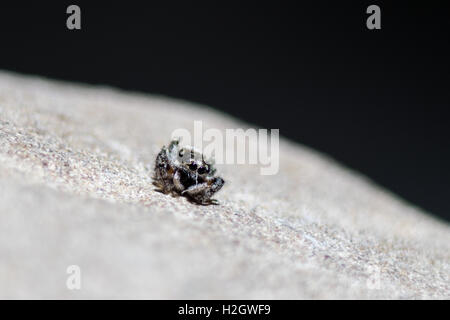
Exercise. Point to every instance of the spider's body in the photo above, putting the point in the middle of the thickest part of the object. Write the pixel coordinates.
(183, 170)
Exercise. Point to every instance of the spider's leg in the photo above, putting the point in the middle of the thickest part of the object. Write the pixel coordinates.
(196, 188)
(160, 172)
(216, 184)
(202, 192)
(177, 181)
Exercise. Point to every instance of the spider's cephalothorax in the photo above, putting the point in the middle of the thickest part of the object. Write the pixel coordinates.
(184, 171)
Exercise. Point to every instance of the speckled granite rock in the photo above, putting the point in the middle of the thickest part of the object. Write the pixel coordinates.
(76, 189)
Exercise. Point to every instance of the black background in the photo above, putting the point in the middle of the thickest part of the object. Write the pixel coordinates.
(279, 309)
(376, 100)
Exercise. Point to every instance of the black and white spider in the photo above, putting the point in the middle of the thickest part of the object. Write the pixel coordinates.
(184, 171)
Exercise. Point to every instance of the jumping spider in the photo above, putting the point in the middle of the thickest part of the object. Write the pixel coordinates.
(184, 171)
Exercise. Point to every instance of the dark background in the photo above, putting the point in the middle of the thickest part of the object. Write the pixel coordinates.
(377, 101)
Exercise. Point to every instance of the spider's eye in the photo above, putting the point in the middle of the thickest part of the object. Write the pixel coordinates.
(193, 166)
(203, 170)
(181, 153)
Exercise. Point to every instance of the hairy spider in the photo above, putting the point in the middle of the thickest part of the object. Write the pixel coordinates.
(184, 171)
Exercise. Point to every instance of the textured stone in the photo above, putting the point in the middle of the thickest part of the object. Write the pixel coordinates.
(76, 189)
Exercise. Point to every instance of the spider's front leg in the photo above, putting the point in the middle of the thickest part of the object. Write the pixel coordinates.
(177, 181)
(202, 192)
(196, 188)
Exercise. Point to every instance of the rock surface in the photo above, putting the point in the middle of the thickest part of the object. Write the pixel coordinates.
(76, 189)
